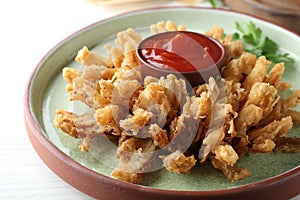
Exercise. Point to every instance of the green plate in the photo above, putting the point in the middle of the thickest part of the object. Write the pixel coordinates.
(47, 93)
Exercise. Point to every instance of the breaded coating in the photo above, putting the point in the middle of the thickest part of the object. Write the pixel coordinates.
(258, 73)
(233, 48)
(235, 94)
(95, 73)
(160, 136)
(161, 27)
(217, 32)
(238, 68)
(154, 99)
(106, 118)
(233, 173)
(69, 74)
(213, 138)
(128, 41)
(87, 58)
(214, 89)
(183, 131)
(85, 91)
(284, 108)
(106, 89)
(65, 121)
(221, 125)
(264, 96)
(178, 162)
(176, 90)
(157, 122)
(295, 115)
(263, 138)
(226, 154)
(134, 155)
(287, 144)
(138, 120)
(79, 126)
(115, 55)
(198, 107)
(125, 73)
(128, 36)
(84, 87)
(277, 128)
(125, 95)
(131, 177)
(265, 146)
(293, 100)
(248, 116)
(275, 75)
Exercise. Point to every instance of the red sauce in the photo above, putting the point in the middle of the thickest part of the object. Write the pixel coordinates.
(180, 51)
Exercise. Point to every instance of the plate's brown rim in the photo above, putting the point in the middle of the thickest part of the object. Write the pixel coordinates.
(103, 187)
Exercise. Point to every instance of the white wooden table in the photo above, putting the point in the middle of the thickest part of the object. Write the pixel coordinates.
(29, 28)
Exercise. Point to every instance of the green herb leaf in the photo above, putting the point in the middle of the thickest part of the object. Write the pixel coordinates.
(254, 43)
(269, 46)
(251, 34)
(235, 36)
(213, 3)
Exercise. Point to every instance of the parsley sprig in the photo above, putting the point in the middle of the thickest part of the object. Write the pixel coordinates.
(213, 3)
(255, 43)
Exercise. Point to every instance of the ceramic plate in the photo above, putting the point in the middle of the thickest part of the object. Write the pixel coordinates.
(272, 174)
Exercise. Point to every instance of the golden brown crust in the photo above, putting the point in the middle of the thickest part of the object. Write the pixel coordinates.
(178, 162)
(157, 119)
(233, 173)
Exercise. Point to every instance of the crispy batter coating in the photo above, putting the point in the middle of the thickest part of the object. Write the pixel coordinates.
(138, 120)
(238, 68)
(264, 96)
(217, 32)
(65, 121)
(293, 100)
(131, 177)
(69, 74)
(277, 128)
(156, 121)
(85, 91)
(178, 162)
(287, 144)
(154, 99)
(106, 118)
(134, 156)
(176, 90)
(233, 48)
(213, 138)
(79, 126)
(87, 58)
(183, 130)
(235, 94)
(275, 75)
(198, 107)
(124, 55)
(161, 26)
(233, 173)
(160, 136)
(249, 115)
(295, 115)
(226, 154)
(258, 74)
(115, 55)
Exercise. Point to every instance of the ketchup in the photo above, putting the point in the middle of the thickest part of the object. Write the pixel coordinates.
(180, 51)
